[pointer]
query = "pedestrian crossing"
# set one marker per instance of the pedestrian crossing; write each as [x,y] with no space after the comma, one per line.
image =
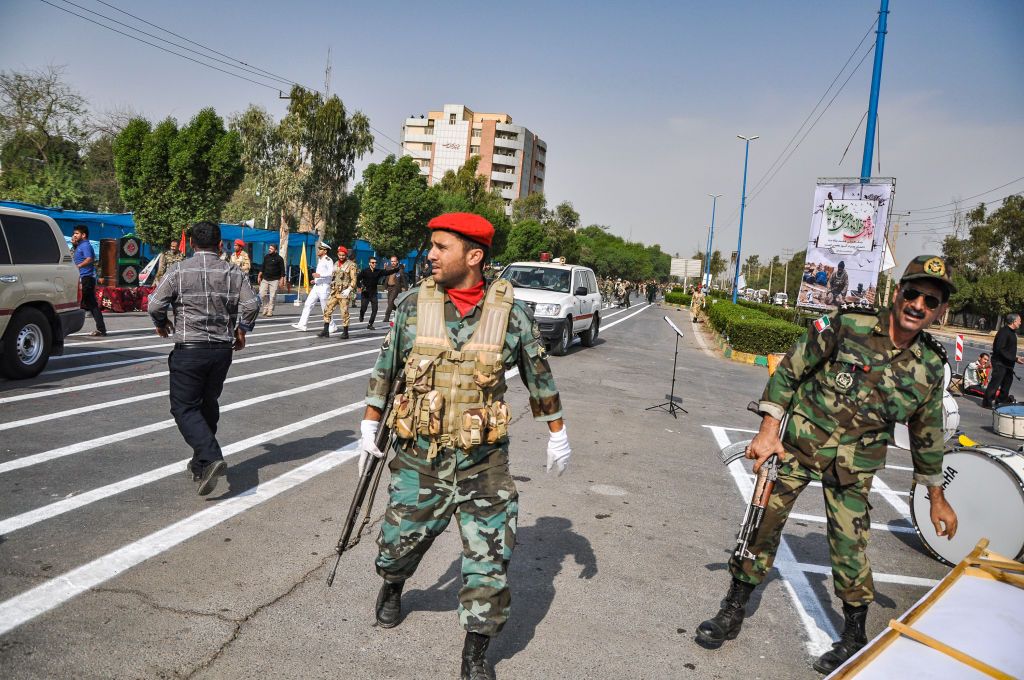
[94,440]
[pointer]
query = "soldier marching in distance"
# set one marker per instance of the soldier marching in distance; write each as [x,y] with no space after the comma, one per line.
[343,285]
[843,386]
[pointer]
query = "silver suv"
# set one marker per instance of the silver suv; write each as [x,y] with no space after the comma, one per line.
[40,292]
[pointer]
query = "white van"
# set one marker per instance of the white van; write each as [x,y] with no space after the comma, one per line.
[564,300]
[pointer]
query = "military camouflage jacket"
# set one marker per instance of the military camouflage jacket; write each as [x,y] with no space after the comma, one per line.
[847,386]
[344,277]
[522,350]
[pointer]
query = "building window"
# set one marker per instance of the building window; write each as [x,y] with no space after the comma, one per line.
[474,149]
[451,119]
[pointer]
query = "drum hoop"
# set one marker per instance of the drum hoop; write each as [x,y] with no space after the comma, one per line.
[969,449]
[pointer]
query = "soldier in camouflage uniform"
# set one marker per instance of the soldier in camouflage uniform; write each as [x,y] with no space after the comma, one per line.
[844,386]
[454,342]
[343,284]
[170,256]
[838,285]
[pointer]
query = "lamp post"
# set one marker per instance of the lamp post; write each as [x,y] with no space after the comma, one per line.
[743,205]
[711,240]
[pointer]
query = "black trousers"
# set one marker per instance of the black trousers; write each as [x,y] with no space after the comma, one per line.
[89,302]
[197,379]
[368,299]
[1002,380]
[393,294]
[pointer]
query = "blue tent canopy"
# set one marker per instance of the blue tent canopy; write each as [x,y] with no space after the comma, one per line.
[119,225]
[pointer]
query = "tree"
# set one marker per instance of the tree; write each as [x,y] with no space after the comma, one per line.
[532,207]
[171,178]
[396,205]
[40,108]
[466,191]
[526,241]
[306,160]
[565,216]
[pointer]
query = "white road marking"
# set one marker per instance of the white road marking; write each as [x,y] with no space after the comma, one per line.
[79,447]
[146,376]
[55,592]
[64,413]
[159,357]
[164,344]
[898,467]
[875,488]
[891,528]
[816,622]
[893,497]
[625,318]
[68,504]
[882,578]
[151,334]
[700,339]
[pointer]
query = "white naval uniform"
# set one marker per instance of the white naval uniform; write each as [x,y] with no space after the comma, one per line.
[320,290]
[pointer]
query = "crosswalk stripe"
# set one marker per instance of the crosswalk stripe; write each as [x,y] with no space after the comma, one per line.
[67,504]
[44,597]
[80,447]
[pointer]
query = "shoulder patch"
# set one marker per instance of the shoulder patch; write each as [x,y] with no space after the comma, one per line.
[857,308]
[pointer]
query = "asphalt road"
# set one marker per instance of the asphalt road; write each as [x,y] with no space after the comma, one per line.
[112,566]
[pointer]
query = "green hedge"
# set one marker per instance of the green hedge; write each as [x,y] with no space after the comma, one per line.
[752,330]
[791,314]
[678,299]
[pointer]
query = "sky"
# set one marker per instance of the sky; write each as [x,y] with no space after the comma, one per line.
[639,103]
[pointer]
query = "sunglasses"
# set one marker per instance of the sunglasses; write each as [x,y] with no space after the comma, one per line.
[930,301]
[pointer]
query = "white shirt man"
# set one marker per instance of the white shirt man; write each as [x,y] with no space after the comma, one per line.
[321,284]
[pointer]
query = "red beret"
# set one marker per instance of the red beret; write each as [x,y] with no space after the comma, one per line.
[239,242]
[473,227]
[343,249]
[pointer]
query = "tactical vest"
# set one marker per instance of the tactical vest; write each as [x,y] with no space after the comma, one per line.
[454,398]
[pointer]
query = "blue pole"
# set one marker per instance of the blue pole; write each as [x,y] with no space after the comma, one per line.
[876,83]
[743,205]
[711,240]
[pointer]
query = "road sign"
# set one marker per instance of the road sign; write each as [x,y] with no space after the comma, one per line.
[959,349]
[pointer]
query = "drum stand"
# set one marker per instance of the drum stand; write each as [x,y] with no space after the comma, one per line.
[670,405]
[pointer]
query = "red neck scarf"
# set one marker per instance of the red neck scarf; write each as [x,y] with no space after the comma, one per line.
[465,298]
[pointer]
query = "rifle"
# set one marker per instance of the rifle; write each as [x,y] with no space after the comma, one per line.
[366,487]
[763,486]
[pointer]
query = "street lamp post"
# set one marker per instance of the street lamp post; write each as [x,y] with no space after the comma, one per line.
[711,240]
[743,205]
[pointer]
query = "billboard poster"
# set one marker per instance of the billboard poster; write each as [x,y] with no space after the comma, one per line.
[846,243]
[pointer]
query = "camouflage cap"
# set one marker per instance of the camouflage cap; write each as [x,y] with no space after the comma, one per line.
[929,267]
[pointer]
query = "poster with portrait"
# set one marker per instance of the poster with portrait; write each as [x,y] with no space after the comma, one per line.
[846,243]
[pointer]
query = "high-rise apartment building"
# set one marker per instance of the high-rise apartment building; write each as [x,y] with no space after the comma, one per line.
[512,158]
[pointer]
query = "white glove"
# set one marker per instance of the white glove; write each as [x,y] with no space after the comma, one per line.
[345,293]
[559,451]
[368,443]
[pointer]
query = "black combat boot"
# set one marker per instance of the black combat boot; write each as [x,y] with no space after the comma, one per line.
[389,604]
[727,622]
[326,332]
[850,642]
[344,332]
[475,665]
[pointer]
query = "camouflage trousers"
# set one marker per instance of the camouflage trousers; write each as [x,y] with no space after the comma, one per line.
[848,530]
[486,505]
[337,301]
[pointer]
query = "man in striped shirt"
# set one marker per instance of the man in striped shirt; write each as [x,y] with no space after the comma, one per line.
[214,307]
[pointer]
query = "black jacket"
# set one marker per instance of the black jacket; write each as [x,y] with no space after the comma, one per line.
[273,266]
[369,279]
[1004,347]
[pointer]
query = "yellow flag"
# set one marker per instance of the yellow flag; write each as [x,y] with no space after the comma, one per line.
[303,273]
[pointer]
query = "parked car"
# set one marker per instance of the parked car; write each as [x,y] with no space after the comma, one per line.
[564,300]
[40,293]
[780,299]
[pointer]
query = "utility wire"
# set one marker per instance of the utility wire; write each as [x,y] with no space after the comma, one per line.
[943,205]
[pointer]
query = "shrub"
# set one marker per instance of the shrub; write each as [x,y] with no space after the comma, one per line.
[790,314]
[752,330]
[678,298]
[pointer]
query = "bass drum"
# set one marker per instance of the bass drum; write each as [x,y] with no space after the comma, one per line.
[985,487]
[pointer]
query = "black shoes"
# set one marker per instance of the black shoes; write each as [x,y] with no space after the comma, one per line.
[389,604]
[326,332]
[344,332]
[475,665]
[727,622]
[850,642]
[207,477]
[370,327]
